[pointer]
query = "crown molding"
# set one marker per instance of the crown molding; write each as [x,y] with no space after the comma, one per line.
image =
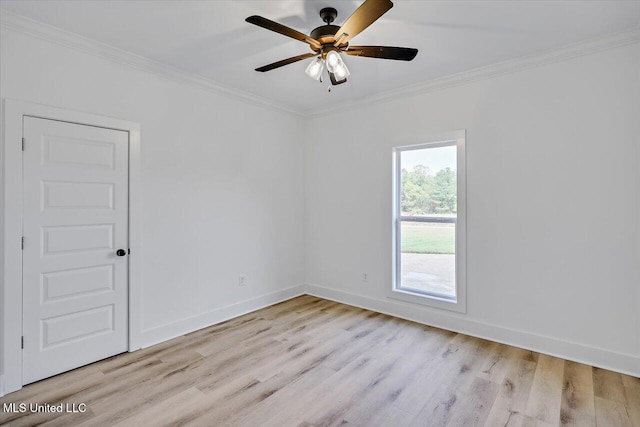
[24,25]
[573,50]
[72,40]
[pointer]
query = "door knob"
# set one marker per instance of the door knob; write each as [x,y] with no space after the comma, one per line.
[121,252]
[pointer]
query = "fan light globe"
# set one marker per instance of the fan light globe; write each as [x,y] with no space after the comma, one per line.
[333,61]
[342,72]
[314,69]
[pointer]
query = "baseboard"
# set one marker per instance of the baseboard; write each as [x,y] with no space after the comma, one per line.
[162,333]
[598,357]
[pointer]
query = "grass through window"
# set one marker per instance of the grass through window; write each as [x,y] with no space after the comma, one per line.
[428,238]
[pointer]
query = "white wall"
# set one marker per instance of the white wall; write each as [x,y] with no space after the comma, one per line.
[553,184]
[221,179]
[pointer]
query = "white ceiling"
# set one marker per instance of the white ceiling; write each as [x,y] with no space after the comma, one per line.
[211,38]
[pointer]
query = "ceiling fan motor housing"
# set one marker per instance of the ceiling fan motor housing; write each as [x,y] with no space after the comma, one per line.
[325,33]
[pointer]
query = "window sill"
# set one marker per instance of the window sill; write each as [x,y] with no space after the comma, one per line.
[428,300]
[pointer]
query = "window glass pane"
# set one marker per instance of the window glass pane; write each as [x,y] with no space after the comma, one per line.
[428,257]
[428,209]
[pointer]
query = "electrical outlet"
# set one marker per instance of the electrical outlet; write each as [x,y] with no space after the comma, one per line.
[242,280]
[365,277]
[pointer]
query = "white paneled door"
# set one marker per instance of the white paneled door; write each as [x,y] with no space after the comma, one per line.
[75,223]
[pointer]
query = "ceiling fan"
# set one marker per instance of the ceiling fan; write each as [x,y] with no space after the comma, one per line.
[328,41]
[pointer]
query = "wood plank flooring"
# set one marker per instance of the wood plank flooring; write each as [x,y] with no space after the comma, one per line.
[313,362]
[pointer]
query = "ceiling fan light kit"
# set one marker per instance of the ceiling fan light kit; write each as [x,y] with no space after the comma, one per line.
[333,61]
[314,69]
[329,41]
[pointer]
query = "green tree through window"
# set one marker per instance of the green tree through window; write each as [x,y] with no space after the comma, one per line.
[426,194]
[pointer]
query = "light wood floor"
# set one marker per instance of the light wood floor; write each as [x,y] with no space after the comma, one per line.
[312,362]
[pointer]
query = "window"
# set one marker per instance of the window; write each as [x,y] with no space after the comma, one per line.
[429,223]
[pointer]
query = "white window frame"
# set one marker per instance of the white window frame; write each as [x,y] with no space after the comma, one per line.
[459,304]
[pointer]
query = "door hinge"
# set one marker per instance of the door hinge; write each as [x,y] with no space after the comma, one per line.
[22,243]
[22,144]
[22,342]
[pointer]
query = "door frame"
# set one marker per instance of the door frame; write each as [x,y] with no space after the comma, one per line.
[11,228]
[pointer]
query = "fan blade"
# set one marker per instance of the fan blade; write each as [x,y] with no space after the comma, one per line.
[283,29]
[286,62]
[383,52]
[365,15]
